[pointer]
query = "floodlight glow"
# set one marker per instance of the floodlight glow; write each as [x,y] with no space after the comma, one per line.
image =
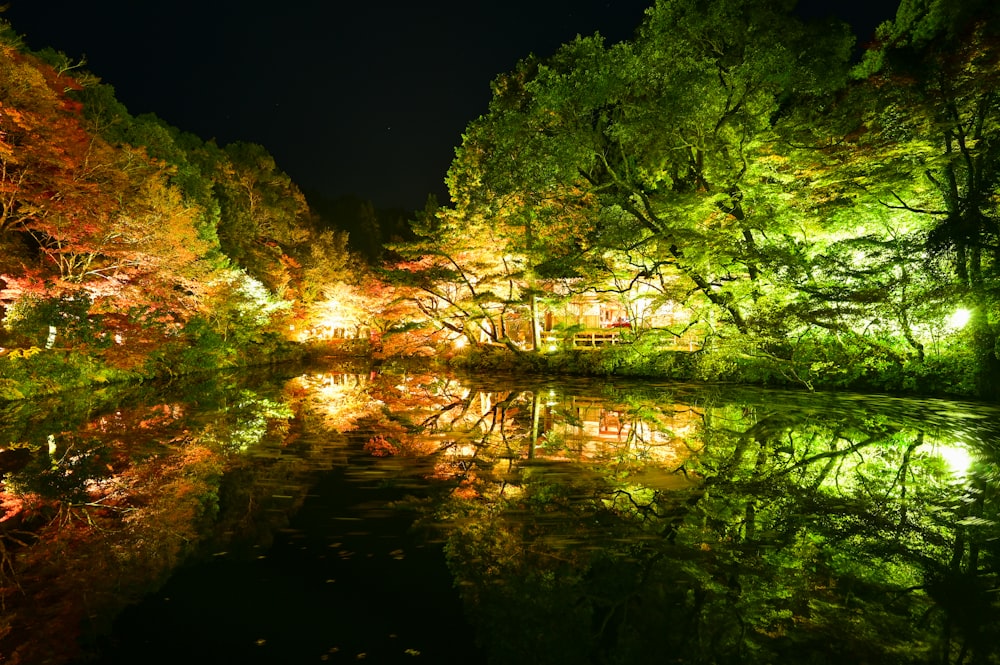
[958,320]
[957,458]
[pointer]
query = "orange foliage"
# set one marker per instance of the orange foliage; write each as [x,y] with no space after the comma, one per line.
[104,219]
[58,181]
[379,446]
[466,490]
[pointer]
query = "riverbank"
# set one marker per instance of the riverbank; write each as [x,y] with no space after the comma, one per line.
[35,372]
[939,377]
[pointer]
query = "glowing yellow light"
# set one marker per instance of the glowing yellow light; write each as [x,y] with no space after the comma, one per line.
[460,342]
[958,320]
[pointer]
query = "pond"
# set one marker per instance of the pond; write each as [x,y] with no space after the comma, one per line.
[333,514]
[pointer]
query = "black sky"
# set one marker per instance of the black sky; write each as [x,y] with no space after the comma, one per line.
[364,98]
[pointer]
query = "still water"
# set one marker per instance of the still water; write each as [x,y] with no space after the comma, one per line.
[329,514]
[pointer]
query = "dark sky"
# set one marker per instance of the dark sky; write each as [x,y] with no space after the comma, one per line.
[367,98]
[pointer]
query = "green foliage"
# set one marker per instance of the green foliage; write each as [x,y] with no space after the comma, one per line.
[30,318]
[789,528]
[9,36]
[36,372]
[250,419]
[206,350]
[818,231]
[206,344]
[667,136]
[564,333]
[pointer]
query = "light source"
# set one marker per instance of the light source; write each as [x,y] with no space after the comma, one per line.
[959,318]
[957,458]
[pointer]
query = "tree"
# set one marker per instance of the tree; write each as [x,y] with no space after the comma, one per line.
[263,213]
[58,185]
[929,141]
[668,129]
[464,277]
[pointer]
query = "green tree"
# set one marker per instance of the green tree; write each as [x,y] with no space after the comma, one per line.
[934,79]
[669,130]
[263,213]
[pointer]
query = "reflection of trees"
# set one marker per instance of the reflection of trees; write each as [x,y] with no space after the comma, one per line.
[635,524]
[332,400]
[837,528]
[115,491]
[716,530]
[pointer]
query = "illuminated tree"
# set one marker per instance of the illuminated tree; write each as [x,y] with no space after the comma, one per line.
[806,217]
[666,129]
[58,185]
[263,213]
[932,102]
[465,278]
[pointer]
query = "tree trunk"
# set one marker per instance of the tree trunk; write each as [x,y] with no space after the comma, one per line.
[536,342]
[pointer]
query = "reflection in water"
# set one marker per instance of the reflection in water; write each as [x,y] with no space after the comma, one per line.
[581,521]
[729,527]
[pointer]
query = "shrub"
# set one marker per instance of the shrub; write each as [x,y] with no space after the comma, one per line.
[29,320]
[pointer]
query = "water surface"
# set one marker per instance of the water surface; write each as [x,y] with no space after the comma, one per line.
[324,514]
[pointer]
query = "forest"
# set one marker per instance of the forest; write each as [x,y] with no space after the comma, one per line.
[734,194]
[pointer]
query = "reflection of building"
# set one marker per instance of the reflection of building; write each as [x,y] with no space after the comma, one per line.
[649,444]
[587,429]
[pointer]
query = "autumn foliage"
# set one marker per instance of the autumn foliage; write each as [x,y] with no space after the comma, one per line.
[131,242]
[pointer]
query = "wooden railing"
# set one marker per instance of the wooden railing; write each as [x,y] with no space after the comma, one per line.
[587,339]
[592,339]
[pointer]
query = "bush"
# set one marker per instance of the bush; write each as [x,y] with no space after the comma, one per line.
[29,319]
[33,372]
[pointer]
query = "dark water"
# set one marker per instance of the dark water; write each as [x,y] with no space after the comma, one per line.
[326,515]
[347,580]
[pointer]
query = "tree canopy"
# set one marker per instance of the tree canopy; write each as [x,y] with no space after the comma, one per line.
[812,215]
[138,236]
[730,180]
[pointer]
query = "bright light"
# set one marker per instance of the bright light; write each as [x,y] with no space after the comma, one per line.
[957,458]
[958,320]
[460,342]
[552,399]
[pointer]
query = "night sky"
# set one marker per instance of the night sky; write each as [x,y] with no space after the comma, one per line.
[364,98]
